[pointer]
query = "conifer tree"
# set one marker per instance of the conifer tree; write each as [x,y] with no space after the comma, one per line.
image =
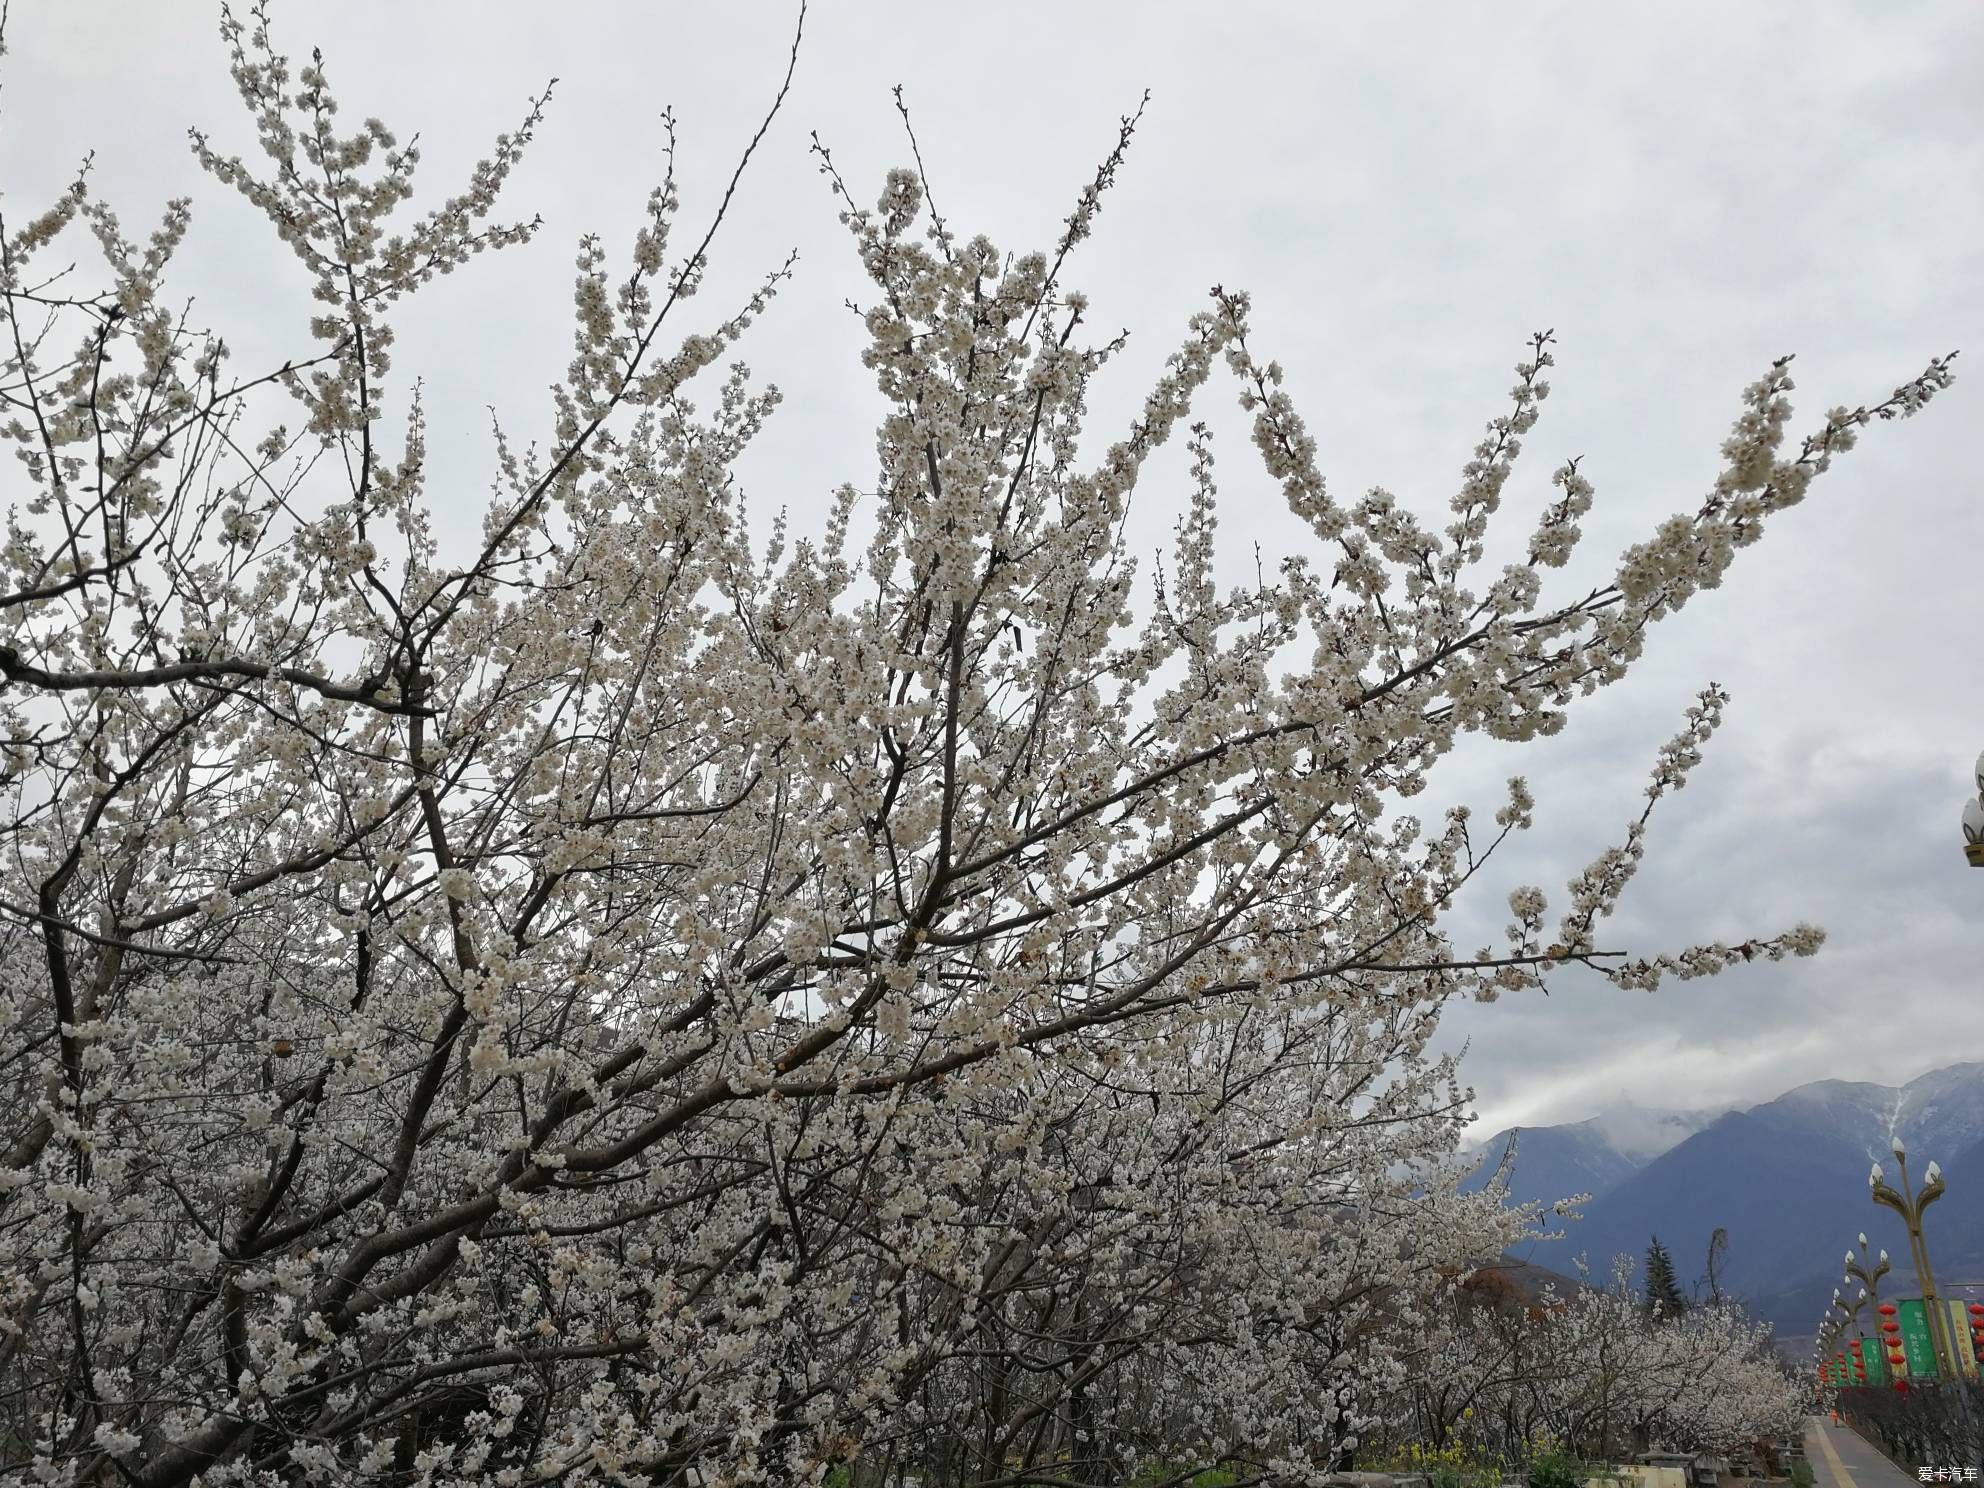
[1663,1293]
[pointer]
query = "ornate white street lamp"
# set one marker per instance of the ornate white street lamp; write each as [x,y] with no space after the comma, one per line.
[1868,1274]
[1910,1206]
[1973,821]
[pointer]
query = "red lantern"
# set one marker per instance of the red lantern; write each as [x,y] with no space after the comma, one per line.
[1887,1309]
[1901,1387]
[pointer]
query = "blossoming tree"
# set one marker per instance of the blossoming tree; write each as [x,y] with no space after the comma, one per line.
[1597,1373]
[627,997]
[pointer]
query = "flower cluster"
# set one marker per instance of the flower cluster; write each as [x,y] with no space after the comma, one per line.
[1512,1378]
[639,996]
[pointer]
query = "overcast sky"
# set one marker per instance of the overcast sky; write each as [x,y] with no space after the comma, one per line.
[1682,191]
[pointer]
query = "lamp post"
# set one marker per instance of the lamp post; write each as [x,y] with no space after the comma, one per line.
[1973,821]
[1854,1310]
[1909,1205]
[1839,1312]
[1868,1275]
[1849,1311]
[1846,1316]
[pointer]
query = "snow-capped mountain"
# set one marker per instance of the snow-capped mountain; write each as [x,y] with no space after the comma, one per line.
[1787,1180]
[1943,1109]
[1591,1156]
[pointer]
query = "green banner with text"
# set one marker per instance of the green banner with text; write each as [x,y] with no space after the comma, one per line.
[1915,1339]
[1869,1356]
[1877,1364]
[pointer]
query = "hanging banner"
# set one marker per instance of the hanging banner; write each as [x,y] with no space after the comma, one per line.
[1876,1361]
[1916,1341]
[1959,1331]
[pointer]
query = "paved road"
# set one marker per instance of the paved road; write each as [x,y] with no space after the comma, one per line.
[1841,1459]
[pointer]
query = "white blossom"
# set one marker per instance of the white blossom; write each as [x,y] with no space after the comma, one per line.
[641,990]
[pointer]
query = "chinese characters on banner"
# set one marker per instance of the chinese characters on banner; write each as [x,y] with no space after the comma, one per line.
[1959,1331]
[1915,1340]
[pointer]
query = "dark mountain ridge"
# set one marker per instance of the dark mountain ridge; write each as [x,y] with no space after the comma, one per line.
[1787,1181]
